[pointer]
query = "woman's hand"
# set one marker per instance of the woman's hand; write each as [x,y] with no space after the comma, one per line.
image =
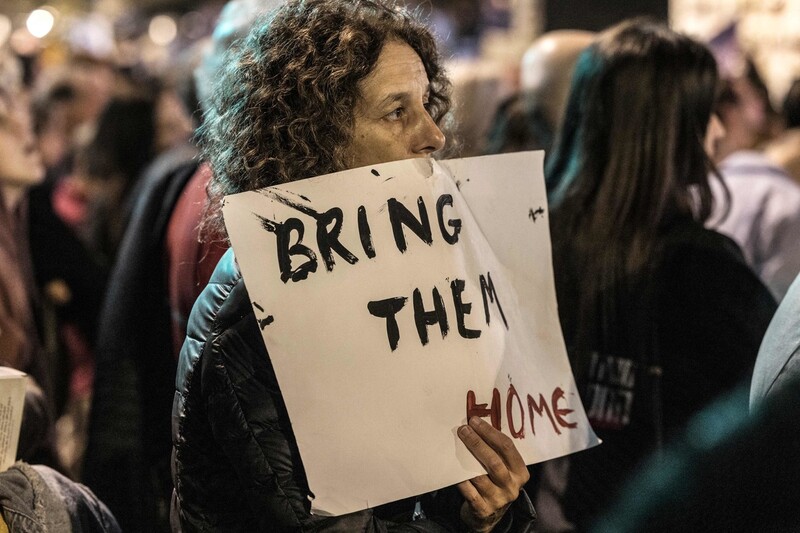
[489,496]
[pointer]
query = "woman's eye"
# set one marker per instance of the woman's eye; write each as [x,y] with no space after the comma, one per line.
[396,113]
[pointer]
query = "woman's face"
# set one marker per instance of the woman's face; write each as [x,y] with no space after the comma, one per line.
[20,163]
[391,118]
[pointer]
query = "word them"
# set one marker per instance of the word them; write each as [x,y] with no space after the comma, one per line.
[389,307]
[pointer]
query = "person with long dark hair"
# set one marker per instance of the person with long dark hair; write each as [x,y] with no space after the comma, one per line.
[660,315]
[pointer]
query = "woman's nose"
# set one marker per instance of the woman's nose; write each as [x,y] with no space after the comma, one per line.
[430,138]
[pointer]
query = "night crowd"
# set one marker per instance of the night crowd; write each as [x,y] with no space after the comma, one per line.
[673,183]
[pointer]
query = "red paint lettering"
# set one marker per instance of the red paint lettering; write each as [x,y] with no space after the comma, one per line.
[512,394]
[539,408]
[481,409]
[558,394]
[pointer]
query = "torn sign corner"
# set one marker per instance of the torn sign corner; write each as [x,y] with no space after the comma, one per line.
[426,166]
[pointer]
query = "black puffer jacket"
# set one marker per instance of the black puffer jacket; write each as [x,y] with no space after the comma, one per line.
[236,465]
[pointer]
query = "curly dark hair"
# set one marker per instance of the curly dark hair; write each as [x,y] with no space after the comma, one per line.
[283,108]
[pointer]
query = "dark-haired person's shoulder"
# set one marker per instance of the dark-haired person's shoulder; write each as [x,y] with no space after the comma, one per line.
[691,239]
[712,264]
[712,300]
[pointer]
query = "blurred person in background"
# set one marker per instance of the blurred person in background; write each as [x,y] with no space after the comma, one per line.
[530,119]
[129,423]
[784,150]
[659,314]
[745,109]
[77,227]
[32,497]
[479,87]
[778,363]
[70,275]
[55,120]
[105,172]
[70,278]
[96,81]
[763,202]
[20,341]
[110,165]
[163,264]
[727,472]
[138,129]
[67,102]
[136,133]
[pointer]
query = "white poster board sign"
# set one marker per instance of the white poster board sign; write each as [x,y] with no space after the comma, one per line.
[395,300]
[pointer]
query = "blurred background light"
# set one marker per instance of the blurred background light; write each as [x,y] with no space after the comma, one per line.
[162,30]
[41,21]
[92,34]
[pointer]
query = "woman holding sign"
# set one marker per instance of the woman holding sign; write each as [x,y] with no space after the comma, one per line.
[659,314]
[319,86]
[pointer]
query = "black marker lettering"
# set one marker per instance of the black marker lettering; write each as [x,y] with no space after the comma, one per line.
[399,215]
[423,318]
[451,238]
[489,294]
[387,309]
[365,233]
[283,233]
[457,287]
[328,239]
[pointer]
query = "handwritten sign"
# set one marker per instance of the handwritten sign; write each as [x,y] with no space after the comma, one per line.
[399,299]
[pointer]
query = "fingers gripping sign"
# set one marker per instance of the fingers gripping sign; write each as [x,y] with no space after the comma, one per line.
[489,496]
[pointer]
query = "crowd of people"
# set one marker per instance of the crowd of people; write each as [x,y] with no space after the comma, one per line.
[151,400]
